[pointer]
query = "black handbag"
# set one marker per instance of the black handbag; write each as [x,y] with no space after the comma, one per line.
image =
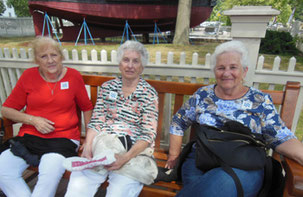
[233,144]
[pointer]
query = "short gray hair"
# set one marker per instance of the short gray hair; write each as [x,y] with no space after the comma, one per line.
[134,46]
[231,46]
[41,41]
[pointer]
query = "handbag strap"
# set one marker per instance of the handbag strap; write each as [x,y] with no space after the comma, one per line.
[201,136]
[267,178]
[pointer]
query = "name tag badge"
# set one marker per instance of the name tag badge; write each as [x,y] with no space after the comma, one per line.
[113,95]
[247,105]
[64,85]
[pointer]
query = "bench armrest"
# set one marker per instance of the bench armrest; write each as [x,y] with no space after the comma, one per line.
[294,177]
[8,128]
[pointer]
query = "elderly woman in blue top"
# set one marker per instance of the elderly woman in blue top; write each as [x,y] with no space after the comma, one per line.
[126,106]
[213,105]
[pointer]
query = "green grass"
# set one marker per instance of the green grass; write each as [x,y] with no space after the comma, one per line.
[299,129]
[202,48]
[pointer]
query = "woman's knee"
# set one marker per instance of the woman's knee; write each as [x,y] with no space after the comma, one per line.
[51,165]
[84,183]
[11,165]
[190,173]
[217,180]
[120,186]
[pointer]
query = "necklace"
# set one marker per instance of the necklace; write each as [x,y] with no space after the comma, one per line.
[52,89]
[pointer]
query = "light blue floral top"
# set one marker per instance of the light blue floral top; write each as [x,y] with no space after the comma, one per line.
[255,110]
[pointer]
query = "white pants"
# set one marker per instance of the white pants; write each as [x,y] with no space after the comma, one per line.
[86,183]
[12,183]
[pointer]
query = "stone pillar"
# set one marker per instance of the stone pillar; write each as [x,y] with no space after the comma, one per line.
[249,24]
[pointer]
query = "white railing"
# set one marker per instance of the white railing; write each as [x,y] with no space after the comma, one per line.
[13,62]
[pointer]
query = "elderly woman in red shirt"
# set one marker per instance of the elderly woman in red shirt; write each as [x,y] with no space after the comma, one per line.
[44,100]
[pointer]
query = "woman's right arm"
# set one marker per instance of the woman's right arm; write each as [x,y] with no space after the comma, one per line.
[88,144]
[175,142]
[181,121]
[94,125]
[16,115]
[41,124]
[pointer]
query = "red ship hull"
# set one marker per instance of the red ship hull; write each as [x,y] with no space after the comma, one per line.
[108,19]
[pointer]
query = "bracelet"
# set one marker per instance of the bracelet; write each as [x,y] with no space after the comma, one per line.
[30,118]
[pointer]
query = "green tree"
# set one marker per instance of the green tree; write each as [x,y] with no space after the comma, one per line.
[279,43]
[282,5]
[20,6]
[2,7]
[297,7]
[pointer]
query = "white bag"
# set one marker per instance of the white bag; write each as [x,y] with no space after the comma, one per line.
[142,168]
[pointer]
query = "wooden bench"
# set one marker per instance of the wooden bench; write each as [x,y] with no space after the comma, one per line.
[287,99]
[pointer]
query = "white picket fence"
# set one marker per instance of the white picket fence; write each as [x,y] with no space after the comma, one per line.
[14,62]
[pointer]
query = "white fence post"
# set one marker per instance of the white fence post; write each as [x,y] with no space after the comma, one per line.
[249,25]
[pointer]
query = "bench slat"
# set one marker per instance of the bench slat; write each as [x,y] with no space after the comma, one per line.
[160,118]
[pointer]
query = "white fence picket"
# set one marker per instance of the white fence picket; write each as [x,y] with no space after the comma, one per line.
[158,58]
[170,57]
[195,59]
[94,55]
[277,62]
[75,56]
[292,64]
[23,54]
[84,55]
[114,57]
[65,54]
[1,53]
[182,58]
[103,56]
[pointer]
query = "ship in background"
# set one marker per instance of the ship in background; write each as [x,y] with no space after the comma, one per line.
[107,18]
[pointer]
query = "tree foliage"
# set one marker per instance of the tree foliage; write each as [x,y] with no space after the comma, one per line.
[2,7]
[298,6]
[283,6]
[20,6]
[276,42]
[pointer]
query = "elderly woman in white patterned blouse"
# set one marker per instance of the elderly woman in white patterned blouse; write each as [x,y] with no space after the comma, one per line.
[124,122]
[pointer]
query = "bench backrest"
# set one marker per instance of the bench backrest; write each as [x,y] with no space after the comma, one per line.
[286,99]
